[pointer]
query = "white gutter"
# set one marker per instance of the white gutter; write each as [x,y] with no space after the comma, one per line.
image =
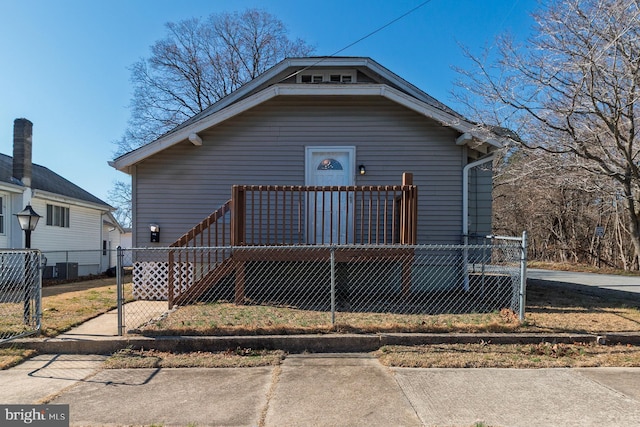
[465,213]
[465,194]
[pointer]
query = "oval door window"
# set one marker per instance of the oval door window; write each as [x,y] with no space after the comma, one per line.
[330,164]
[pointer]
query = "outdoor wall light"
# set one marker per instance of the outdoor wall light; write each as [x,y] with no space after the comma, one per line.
[28,220]
[155,233]
[362,169]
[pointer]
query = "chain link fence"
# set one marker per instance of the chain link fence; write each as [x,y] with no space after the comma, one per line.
[74,264]
[330,281]
[20,293]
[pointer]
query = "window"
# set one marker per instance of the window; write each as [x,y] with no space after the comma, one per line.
[330,164]
[57,216]
[1,215]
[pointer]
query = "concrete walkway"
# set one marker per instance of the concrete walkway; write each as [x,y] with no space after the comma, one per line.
[325,390]
[105,326]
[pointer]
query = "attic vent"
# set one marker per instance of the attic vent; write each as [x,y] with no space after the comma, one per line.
[331,76]
[311,78]
[340,78]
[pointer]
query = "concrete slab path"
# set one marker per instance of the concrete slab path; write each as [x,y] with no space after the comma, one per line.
[522,397]
[338,390]
[45,375]
[326,390]
[105,326]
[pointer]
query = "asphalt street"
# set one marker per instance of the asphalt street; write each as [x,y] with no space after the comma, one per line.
[604,281]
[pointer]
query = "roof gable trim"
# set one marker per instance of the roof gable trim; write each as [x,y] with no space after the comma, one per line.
[125,162]
[58,198]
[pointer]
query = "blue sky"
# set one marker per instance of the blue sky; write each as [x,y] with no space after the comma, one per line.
[65,63]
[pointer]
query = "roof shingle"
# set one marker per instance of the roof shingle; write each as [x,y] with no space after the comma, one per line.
[46,180]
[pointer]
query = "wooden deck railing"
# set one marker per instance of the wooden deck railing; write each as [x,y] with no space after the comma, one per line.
[214,230]
[272,215]
[319,215]
[310,215]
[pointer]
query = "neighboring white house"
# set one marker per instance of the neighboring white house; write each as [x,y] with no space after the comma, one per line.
[76,230]
[126,240]
[113,236]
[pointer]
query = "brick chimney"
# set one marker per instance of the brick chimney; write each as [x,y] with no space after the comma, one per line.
[22,142]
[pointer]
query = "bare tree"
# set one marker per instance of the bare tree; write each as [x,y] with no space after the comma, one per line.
[561,211]
[120,198]
[199,62]
[573,90]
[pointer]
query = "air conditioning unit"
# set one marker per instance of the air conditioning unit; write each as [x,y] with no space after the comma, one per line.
[49,272]
[67,270]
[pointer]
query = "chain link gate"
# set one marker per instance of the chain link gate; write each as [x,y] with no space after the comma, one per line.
[20,293]
[334,280]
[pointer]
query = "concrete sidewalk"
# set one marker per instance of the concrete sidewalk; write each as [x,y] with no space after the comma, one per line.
[326,390]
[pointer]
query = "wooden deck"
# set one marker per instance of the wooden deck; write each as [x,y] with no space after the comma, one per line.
[332,218]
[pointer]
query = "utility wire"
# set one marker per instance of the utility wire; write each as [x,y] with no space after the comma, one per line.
[424,3]
[383,27]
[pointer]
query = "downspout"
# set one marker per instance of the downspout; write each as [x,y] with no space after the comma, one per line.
[465,213]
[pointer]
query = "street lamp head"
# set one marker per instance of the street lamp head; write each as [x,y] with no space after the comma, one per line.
[28,218]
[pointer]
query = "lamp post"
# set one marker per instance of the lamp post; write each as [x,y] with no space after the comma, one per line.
[28,220]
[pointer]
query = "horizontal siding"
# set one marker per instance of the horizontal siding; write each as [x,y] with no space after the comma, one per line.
[178,187]
[80,242]
[83,232]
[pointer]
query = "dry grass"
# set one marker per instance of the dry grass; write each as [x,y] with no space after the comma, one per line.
[550,309]
[63,311]
[63,307]
[230,319]
[484,355]
[238,358]
[10,357]
[554,308]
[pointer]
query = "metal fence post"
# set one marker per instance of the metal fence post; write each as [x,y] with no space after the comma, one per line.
[523,275]
[38,291]
[120,290]
[333,285]
[28,289]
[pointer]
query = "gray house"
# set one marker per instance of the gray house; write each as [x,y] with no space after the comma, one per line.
[275,145]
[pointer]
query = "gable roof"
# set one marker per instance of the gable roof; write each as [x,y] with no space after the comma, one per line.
[43,179]
[274,82]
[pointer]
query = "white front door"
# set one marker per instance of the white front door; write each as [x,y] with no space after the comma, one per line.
[330,214]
